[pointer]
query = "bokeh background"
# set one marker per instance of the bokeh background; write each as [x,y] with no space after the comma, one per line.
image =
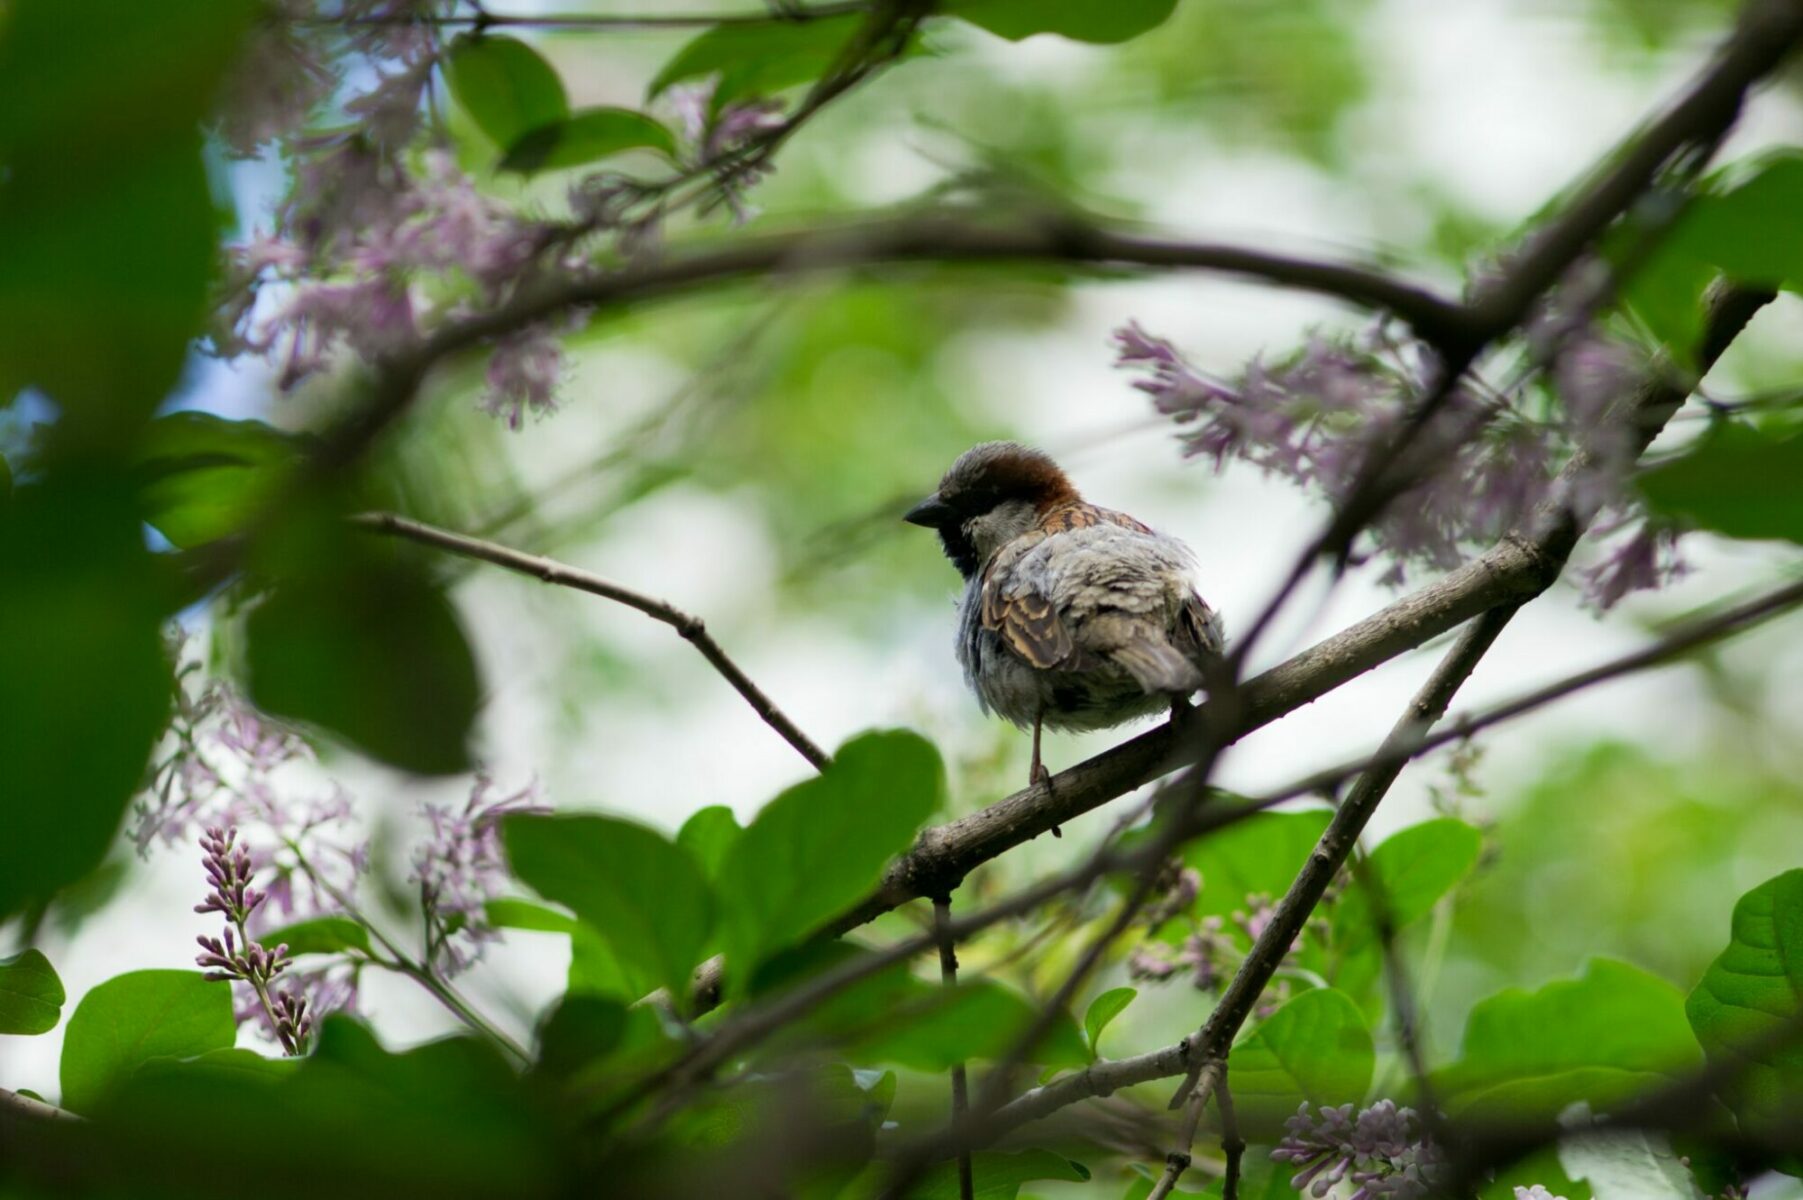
[746,453]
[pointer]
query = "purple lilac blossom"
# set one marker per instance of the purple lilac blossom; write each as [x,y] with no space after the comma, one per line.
[1383,1152]
[716,137]
[1537,1192]
[1313,417]
[235,957]
[460,867]
[522,377]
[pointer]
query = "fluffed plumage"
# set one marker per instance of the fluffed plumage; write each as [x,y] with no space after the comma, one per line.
[1073,616]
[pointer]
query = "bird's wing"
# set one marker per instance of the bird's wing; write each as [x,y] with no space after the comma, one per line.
[1199,634]
[1024,617]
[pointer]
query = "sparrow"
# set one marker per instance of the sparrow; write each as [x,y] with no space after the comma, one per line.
[1073,616]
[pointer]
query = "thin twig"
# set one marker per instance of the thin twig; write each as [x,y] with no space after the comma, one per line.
[692,628]
[948,975]
[1233,1146]
[1177,1160]
[28,1108]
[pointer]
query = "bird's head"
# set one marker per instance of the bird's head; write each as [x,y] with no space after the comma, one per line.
[994,493]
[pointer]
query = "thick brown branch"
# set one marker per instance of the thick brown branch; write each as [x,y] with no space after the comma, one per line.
[691,627]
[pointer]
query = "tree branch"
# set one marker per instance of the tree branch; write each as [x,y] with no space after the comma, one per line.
[1177,1161]
[1405,742]
[1517,569]
[692,628]
[948,975]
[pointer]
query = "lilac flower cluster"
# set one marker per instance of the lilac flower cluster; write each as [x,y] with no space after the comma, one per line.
[228,765]
[1211,951]
[235,957]
[1482,463]
[460,867]
[719,140]
[1382,1152]
[1537,1192]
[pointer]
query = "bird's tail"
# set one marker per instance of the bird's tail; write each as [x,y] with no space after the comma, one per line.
[1157,665]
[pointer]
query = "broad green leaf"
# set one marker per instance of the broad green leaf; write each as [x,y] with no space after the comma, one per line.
[1413,868]
[1628,1164]
[448,1118]
[595,969]
[31,996]
[204,477]
[1600,1038]
[1103,1010]
[1750,231]
[130,1019]
[759,59]
[106,216]
[1079,20]
[1260,855]
[84,684]
[505,86]
[507,912]
[371,649]
[587,136]
[320,935]
[643,895]
[1316,1048]
[998,1176]
[1752,990]
[1541,1167]
[580,1030]
[708,834]
[821,846]
[229,1063]
[931,1028]
[1737,481]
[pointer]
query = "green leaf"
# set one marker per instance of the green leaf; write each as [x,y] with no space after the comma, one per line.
[645,897]
[1413,868]
[1316,1048]
[370,648]
[580,1030]
[510,913]
[1079,20]
[83,679]
[31,996]
[1752,990]
[1751,231]
[1628,1164]
[505,87]
[587,136]
[1103,1010]
[205,477]
[708,834]
[1738,481]
[320,935]
[1600,1038]
[821,846]
[759,59]
[106,215]
[132,1018]
[1260,855]
[230,1063]
[997,1176]
[931,1028]
[448,1118]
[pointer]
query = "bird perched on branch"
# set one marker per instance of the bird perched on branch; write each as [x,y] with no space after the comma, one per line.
[1073,616]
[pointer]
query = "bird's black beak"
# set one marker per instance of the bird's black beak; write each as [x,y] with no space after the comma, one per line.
[931,512]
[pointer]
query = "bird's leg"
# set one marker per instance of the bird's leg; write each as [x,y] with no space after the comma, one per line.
[1037,773]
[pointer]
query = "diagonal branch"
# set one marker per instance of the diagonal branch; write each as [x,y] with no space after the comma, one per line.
[691,627]
[1517,569]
